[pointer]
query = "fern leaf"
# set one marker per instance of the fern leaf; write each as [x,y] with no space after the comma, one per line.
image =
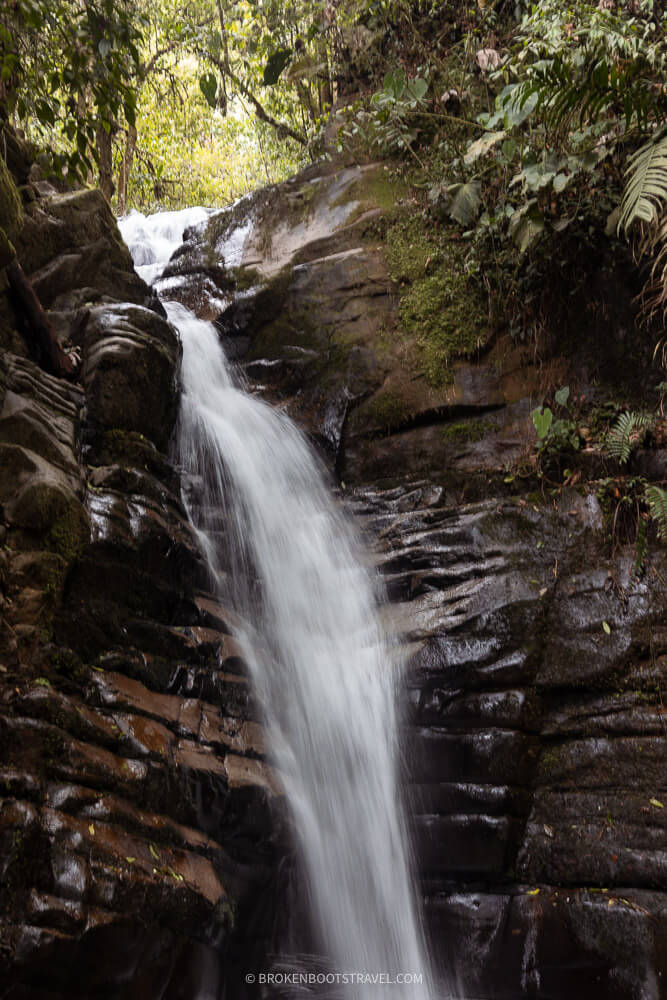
[626,434]
[654,244]
[646,188]
[657,501]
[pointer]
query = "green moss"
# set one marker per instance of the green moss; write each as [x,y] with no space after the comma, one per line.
[11,209]
[440,306]
[52,574]
[468,430]
[550,761]
[373,189]
[53,513]
[69,534]
[124,447]
[244,278]
[411,252]
[66,663]
[385,411]
[443,314]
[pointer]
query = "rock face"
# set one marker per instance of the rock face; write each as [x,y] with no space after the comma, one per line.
[537,743]
[143,838]
[536,725]
[139,822]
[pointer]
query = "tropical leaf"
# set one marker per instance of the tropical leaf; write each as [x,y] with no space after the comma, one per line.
[482,146]
[526,225]
[646,188]
[466,201]
[394,83]
[417,88]
[209,88]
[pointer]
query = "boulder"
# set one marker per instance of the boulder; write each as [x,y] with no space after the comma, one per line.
[130,362]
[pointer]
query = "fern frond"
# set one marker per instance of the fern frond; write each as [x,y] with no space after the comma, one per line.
[654,293]
[566,89]
[656,499]
[645,191]
[626,434]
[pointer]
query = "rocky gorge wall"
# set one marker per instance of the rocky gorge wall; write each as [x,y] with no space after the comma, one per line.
[536,731]
[143,834]
[135,818]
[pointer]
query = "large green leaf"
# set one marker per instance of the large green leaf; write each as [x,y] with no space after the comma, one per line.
[526,225]
[542,420]
[394,83]
[275,66]
[417,88]
[482,146]
[208,85]
[466,201]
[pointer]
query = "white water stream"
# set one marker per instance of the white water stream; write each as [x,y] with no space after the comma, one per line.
[322,666]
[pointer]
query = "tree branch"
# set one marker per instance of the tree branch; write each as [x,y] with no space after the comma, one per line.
[223,65]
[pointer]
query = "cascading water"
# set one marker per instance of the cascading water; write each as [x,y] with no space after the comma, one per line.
[323,668]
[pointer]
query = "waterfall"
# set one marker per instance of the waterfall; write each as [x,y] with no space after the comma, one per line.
[323,668]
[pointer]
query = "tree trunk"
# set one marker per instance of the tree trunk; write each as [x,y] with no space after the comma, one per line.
[126,168]
[105,162]
[39,332]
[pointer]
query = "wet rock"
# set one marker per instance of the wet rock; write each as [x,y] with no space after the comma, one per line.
[70,241]
[537,742]
[133,777]
[129,371]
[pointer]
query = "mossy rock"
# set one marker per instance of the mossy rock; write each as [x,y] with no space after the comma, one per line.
[387,410]
[375,188]
[11,215]
[47,509]
[440,307]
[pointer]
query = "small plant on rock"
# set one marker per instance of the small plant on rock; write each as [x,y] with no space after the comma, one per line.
[557,432]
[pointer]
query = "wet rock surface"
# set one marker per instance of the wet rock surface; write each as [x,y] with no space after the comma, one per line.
[138,816]
[537,733]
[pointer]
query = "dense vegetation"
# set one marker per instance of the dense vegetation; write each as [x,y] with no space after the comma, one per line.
[532,137]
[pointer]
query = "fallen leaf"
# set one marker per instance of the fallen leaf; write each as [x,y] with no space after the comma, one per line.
[657,803]
[91,829]
[606,627]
